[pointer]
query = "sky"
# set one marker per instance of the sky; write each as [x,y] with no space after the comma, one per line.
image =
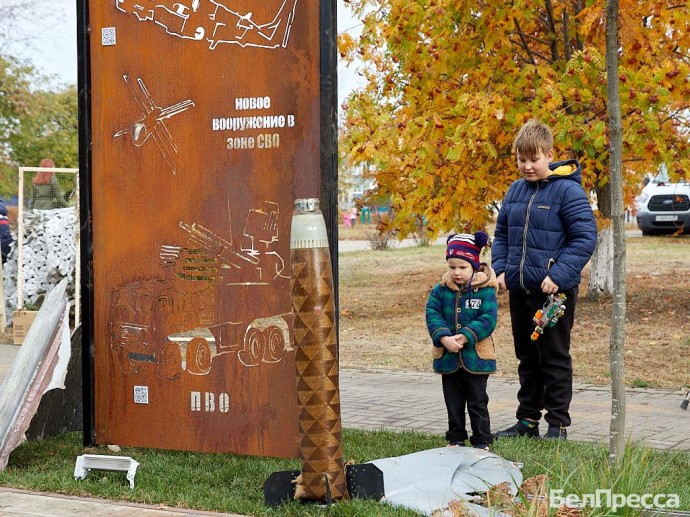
[54,48]
[348,79]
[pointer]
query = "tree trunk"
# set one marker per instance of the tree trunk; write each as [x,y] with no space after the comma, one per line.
[604,199]
[601,266]
[617,343]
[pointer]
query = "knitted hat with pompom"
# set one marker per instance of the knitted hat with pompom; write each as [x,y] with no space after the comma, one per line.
[466,246]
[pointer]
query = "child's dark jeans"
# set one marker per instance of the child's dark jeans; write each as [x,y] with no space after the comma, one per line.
[466,390]
[545,366]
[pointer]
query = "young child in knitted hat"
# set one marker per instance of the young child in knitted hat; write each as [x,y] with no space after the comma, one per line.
[461,315]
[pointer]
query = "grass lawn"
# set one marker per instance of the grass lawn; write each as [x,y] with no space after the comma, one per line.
[228,483]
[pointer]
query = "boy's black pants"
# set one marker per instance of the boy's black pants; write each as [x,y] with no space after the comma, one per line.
[467,390]
[545,367]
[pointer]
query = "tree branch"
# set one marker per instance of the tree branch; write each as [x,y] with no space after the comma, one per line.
[542,56]
[538,40]
[680,55]
[577,4]
[532,55]
[674,114]
[597,114]
[524,42]
[566,39]
[552,32]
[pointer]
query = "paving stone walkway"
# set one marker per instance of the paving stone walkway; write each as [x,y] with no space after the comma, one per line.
[388,399]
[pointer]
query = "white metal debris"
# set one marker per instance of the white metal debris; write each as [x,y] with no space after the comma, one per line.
[428,481]
[86,462]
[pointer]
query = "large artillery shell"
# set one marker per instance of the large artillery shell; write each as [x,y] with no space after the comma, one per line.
[313,306]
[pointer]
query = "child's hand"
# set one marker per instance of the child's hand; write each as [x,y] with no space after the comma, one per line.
[453,343]
[447,281]
[548,286]
[501,279]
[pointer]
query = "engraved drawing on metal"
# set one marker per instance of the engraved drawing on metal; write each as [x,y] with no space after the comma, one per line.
[240,28]
[258,238]
[151,124]
[174,322]
[215,21]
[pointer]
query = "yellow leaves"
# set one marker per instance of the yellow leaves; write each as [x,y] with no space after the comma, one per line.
[602,222]
[346,45]
[454,153]
[632,15]
[631,31]
[593,21]
[588,58]
[446,94]
[649,30]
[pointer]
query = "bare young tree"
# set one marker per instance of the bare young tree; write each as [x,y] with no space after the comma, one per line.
[617,343]
[14,15]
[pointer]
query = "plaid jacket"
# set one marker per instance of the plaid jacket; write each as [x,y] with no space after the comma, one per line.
[471,311]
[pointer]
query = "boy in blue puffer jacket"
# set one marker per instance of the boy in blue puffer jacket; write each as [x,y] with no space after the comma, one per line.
[461,316]
[545,235]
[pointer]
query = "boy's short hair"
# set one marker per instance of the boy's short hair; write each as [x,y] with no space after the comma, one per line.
[534,136]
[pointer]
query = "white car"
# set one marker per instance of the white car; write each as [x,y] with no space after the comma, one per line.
[663,207]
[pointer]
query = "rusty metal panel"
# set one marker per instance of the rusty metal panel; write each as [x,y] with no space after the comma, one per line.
[202,113]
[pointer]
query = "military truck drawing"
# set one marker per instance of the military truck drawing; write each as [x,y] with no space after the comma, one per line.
[202,308]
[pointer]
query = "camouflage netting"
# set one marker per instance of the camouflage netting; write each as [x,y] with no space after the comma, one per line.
[49,255]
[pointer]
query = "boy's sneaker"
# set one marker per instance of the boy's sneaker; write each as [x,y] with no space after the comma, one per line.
[456,444]
[483,447]
[522,428]
[556,432]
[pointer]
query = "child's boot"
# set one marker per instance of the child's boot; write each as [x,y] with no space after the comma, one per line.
[524,427]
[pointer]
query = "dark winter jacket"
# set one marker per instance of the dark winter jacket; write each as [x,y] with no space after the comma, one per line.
[5,233]
[471,311]
[545,225]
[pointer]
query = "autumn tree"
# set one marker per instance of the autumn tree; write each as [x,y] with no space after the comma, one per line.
[34,123]
[49,128]
[21,97]
[448,85]
[14,100]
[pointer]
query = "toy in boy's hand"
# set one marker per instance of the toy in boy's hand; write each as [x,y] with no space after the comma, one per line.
[549,314]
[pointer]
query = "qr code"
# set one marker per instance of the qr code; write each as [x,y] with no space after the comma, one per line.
[141,394]
[108,36]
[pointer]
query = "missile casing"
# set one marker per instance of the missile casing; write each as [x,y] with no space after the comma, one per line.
[323,474]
